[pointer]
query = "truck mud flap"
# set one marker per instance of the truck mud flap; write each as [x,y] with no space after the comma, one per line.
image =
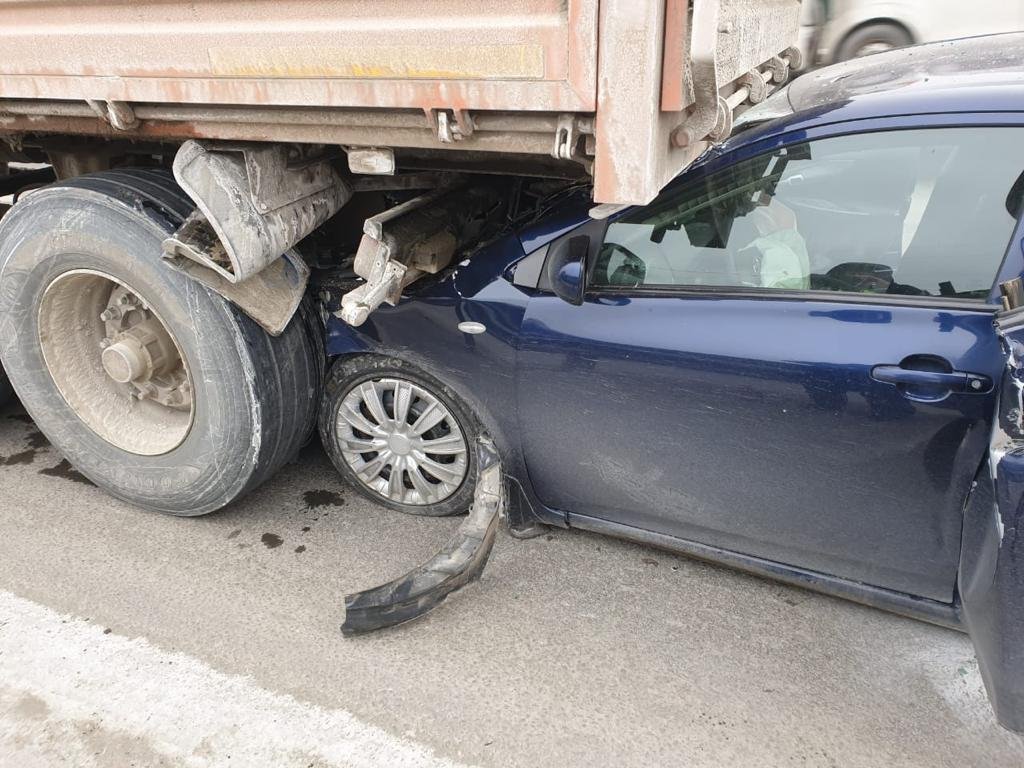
[456,564]
[254,203]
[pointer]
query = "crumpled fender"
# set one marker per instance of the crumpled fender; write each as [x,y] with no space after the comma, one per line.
[991,577]
[456,564]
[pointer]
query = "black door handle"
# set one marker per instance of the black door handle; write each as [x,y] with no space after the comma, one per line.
[910,379]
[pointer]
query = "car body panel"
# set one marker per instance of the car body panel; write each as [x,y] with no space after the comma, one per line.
[684,428]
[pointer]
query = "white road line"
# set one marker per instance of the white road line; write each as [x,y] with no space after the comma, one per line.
[58,670]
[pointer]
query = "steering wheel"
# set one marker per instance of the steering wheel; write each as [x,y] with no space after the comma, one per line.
[629,274]
[857,277]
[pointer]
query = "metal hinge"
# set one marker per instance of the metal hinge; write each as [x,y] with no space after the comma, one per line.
[565,138]
[119,114]
[1012,292]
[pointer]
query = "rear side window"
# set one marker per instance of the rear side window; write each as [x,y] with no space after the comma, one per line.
[916,213]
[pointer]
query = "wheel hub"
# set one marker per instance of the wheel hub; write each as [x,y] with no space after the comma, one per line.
[400,444]
[115,363]
[126,361]
[139,353]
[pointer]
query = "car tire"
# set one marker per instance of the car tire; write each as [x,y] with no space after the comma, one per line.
[344,381]
[873,38]
[251,399]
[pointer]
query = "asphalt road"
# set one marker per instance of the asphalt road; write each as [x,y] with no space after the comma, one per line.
[129,638]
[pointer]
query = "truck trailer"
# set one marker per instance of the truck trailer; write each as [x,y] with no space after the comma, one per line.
[193,187]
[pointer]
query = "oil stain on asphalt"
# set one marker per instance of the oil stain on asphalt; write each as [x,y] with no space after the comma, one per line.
[320,498]
[65,470]
[24,457]
[271,540]
[35,441]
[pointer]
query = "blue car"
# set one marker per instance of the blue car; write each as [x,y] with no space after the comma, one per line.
[803,359]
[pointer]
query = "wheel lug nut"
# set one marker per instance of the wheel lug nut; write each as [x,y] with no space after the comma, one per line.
[110,313]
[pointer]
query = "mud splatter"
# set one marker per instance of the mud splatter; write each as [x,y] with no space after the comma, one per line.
[305,529]
[233,533]
[65,470]
[301,548]
[320,498]
[271,540]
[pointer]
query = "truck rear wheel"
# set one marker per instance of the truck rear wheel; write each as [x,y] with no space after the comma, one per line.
[154,387]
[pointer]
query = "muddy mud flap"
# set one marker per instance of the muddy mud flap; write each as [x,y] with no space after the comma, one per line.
[456,564]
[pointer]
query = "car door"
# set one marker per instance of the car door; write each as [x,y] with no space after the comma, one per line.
[790,357]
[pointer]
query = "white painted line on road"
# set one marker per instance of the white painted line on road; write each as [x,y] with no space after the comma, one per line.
[65,670]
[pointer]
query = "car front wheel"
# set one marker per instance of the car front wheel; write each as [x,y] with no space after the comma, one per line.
[399,436]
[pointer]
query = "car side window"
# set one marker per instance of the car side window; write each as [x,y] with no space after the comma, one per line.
[924,212]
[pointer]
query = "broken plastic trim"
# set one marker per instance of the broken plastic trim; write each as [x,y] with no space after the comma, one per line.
[456,564]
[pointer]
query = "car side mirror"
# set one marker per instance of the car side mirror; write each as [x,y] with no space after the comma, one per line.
[567,268]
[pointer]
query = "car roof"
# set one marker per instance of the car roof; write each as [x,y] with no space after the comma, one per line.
[974,74]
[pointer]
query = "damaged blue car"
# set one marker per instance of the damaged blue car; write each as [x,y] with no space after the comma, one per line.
[803,359]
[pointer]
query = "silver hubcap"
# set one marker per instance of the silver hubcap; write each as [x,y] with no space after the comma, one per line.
[402,442]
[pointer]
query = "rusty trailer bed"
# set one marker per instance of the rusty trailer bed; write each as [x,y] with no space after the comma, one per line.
[602,85]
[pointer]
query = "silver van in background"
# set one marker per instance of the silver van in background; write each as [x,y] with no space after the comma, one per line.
[837,30]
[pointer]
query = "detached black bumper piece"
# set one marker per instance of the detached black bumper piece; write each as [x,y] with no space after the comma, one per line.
[458,562]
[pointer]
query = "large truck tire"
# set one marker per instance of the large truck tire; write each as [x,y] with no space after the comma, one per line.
[153,387]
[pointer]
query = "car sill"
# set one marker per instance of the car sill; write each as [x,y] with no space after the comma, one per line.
[932,611]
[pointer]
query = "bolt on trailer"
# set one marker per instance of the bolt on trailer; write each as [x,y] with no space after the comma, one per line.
[190,189]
